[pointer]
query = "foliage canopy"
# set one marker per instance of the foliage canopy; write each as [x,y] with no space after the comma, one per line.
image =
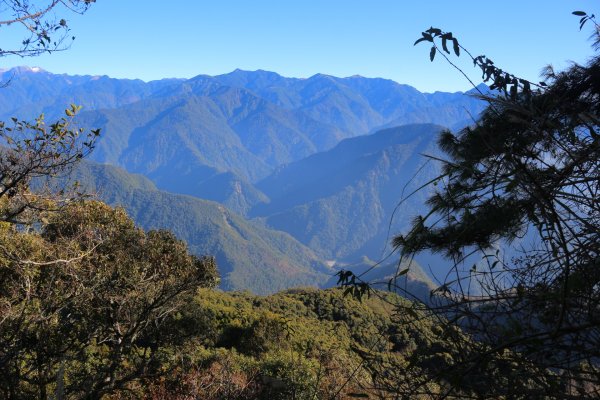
[86,302]
[525,177]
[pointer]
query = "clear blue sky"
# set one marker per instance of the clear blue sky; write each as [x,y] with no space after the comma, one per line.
[153,39]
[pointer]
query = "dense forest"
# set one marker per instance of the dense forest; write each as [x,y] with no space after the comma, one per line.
[99,301]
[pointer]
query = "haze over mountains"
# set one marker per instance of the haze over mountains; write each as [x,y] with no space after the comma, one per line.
[340,202]
[300,174]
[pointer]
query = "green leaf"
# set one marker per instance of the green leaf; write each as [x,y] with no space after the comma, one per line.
[444,46]
[579,13]
[456,47]
[403,272]
[434,31]
[432,53]
[421,40]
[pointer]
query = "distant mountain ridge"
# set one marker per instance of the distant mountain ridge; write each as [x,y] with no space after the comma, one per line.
[249,255]
[244,122]
[32,91]
[345,203]
[231,130]
[302,156]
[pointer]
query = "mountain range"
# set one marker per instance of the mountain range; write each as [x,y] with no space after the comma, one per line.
[341,202]
[284,180]
[249,255]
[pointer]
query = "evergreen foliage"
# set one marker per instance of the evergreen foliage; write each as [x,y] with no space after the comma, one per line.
[86,301]
[302,344]
[526,173]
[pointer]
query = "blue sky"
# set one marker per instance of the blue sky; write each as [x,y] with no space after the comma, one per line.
[152,39]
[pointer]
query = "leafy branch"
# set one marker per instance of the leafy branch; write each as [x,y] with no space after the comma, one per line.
[505,82]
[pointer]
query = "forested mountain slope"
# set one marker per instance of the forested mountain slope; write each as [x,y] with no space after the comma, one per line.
[249,256]
[286,151]
[345,203]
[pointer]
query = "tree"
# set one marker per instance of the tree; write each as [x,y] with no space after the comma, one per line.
[86,298]
[520,189]
[526,176]
[30,150]
[87,302]
[42,31]
[35,151]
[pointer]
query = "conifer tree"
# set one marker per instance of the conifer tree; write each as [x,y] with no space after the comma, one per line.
[521,190]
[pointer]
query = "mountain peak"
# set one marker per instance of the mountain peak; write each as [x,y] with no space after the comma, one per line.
[320,75]
[22,69]
[258,72]
[481,88]
[250,79]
